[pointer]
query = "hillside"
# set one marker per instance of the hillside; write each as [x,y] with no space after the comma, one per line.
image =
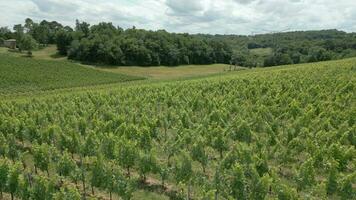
[294,47]
[19,74]
[278,133]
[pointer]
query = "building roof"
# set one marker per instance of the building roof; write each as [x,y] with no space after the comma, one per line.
[11,40]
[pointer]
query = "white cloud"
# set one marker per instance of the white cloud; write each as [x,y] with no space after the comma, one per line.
[193,16]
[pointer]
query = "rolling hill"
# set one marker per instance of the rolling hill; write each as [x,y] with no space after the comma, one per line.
[274,133]
[19,74]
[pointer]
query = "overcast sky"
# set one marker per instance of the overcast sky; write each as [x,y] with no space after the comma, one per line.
[192,16]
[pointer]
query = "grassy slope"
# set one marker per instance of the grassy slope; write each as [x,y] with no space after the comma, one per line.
[255,73]
[19,74]
[156,73]
[146,82]
[261,51]
[164,72]
[47,53]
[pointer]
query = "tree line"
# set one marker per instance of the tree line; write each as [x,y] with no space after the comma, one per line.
[105,43]
[291,47]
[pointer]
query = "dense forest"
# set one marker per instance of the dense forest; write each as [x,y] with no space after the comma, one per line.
[292,47]
[105,43]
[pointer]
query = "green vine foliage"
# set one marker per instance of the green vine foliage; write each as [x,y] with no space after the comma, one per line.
[279,133]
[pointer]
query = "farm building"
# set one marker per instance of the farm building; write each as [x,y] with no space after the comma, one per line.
[10,43]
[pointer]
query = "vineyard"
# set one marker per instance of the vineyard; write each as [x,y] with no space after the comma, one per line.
[279,133]
[19,75]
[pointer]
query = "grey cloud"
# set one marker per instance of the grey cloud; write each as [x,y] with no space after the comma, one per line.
[194,16]
[55,6]
[244,1]
[184,7]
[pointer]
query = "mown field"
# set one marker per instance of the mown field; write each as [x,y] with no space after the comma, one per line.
[278,133]
[23,75]
[168,73]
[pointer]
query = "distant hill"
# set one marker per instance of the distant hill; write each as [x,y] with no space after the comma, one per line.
[289,47]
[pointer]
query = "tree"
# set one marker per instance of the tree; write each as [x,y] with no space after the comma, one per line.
[63,41]
[19,31]
[278,58]
[269,61]
[42,33]
[296,57]
[318,54]
[284,59]
[27,43]
[5,33]
[29,25]
[239,59]
[82,27]
[104,43]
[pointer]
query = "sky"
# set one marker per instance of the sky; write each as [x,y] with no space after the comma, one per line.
[243,17]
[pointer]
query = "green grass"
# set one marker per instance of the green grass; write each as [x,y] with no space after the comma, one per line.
[261,51]
[46,53]
[166,72]
[150,72]
[142,194]
[19,74]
